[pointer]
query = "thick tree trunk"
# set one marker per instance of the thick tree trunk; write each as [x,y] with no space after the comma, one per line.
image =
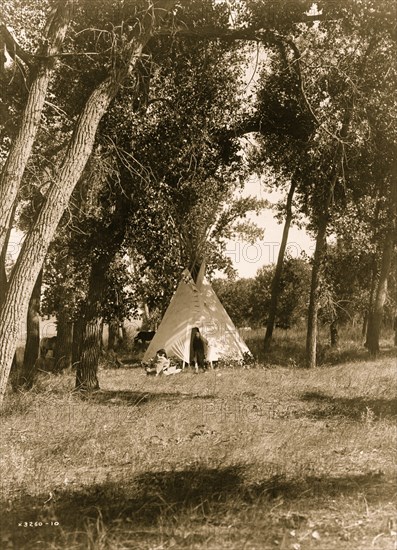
[63,348]
[78,151]
[3,258]
[92,326]
[21,147]
[87,367]
[78,327]
[37,241]
[115,337]
[32,348]
[3,291]
[371,298]
[319,254]
[3,279]
[279,268]
[334,333]
[376,314]
[365,324]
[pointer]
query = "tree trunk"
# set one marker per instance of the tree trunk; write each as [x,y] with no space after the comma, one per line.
[145,316]
[3,291]
[371,298]
[311,337]
[22,144]
[38,239]
[3,276]
[3,258]
[78,327]
[92,326]
[376,314]
[32,348]
[63,348]
[87,367]
[115,338]
[279,268]
[64,180]
[365,324]
[334,333]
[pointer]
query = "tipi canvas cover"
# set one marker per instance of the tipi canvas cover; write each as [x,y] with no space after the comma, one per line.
[196,305]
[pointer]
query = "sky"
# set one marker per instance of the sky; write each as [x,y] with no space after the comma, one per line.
[247,258]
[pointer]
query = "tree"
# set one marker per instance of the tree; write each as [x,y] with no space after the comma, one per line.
[237,297]
[142,189]
[32,348]
[293,293]
[248,300]
[326,90]
[126,51]
[14,167]
[390,239]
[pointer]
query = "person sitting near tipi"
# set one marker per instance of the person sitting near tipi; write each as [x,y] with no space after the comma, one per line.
[159,364]
[199,346]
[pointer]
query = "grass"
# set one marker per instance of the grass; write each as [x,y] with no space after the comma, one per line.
[264,458]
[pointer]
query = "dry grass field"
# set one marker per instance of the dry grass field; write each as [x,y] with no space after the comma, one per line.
[271,457]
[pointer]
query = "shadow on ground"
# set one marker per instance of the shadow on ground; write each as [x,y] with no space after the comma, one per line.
[136,398]
[147,500]
[335,356]
[354,408]
[291,353]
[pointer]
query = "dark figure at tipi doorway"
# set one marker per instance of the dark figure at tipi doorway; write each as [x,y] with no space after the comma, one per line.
[198,347]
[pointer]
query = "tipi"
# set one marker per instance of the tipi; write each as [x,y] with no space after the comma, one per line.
[196,305]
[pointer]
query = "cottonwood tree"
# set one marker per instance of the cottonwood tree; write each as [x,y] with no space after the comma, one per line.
[185,172]
[168,196]
[125,47]
[285,126]
[248,300]
[328,65]
[369,171]
[68,261]
[381,176]
[119,46]
[333,75]
[84,274]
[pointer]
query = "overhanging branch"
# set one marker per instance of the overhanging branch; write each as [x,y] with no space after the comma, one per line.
[12,47]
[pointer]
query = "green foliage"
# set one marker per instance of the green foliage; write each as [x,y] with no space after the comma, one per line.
[160,160]
[237,298]
[247,300]
[164,177]
[293,296]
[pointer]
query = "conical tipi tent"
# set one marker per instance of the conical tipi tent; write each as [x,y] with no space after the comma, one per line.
[196,305]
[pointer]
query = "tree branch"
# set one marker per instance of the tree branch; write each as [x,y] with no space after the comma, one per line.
[13,48]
